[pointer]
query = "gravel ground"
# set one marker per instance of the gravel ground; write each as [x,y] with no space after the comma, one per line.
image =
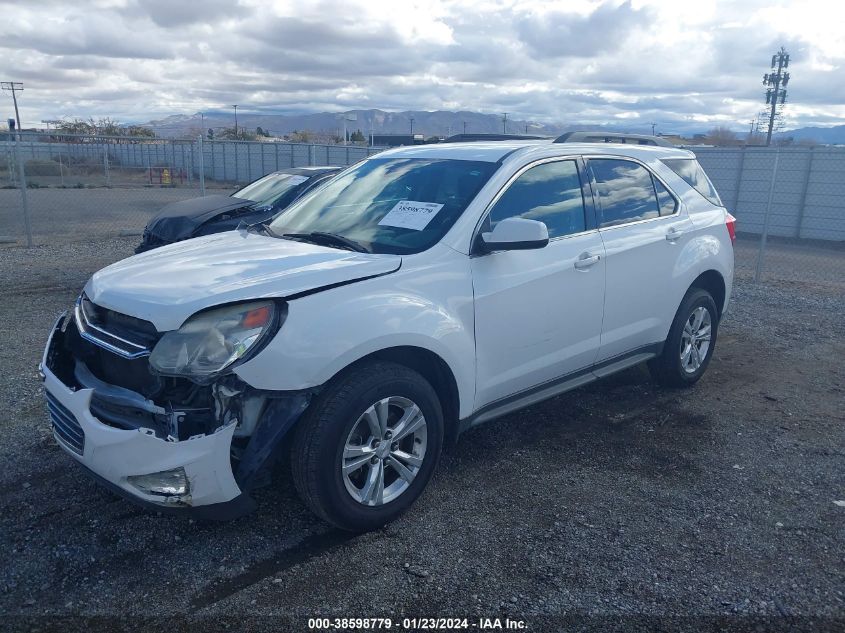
[69,215]
[614,507]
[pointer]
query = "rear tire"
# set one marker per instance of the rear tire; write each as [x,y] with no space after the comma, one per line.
[378,424]
[691,341]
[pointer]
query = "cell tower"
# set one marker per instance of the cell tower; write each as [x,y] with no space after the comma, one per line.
[775,83]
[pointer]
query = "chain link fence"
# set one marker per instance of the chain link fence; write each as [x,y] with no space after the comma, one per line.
[79,188]
[789,202]
[790,210]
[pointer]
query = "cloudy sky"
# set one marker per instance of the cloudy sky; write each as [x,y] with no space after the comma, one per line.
[683,64]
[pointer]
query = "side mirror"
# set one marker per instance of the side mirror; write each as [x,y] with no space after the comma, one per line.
[515,234]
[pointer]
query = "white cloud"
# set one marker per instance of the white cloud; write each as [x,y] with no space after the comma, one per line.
[682,64]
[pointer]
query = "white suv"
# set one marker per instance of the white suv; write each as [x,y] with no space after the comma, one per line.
[421,292]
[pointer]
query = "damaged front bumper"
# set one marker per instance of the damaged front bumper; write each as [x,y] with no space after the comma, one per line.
[118,456]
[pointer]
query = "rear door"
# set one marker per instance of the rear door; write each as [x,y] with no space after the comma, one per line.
[644,229]
[538,312]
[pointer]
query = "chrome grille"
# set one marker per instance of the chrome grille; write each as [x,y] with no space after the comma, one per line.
[92,328]
[65,425]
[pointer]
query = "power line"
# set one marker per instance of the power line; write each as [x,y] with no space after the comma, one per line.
[776,89]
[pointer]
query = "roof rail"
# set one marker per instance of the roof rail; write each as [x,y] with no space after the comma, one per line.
[611,137]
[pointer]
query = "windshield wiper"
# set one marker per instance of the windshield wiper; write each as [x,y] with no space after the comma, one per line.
[262,227]
[329,239]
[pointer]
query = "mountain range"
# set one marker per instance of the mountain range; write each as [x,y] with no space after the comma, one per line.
[435,123]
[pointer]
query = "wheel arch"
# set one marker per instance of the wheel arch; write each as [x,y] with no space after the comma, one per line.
[430,366]
[713,282]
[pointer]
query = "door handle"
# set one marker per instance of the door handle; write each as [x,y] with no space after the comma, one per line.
[673,234]
[585,260]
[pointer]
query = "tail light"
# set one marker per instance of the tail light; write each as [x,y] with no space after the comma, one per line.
[730,222]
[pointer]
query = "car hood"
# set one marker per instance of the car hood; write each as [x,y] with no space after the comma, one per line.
[167,285]
[178,220]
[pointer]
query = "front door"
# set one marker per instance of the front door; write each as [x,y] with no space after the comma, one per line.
[538,313]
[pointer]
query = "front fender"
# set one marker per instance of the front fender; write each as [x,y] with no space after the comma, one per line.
[428,308]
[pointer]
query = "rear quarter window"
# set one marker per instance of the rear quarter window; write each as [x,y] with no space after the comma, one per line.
[691,171]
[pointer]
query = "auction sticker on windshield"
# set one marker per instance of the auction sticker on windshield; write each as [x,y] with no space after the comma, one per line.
[296,180]
[408,214]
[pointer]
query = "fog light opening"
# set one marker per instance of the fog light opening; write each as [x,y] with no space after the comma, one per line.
[168,483]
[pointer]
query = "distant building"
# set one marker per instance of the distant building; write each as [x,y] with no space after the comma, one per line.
[395,140]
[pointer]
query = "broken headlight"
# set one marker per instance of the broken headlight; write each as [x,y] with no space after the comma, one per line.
[210,341]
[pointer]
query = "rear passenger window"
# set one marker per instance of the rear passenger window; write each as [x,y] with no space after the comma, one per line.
[550,193]
[690,170]
[625,190]
[665,200]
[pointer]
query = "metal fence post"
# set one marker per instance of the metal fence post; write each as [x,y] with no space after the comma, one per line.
[801,209]
[759,271]
[185,162]
[739,177]
[106,163]
[201,166]
[22,185]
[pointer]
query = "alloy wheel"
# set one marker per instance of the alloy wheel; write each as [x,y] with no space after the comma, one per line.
[384,451]
[695,339]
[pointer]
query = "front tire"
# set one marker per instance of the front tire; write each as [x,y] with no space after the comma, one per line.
[368,445]
[691,341]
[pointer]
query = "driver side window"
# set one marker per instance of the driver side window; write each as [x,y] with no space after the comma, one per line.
[550,193]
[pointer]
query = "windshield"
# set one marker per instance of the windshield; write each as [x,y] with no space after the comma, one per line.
[399,205]
[277,190]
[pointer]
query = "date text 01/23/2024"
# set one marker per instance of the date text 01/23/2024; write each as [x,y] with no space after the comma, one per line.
[416,624]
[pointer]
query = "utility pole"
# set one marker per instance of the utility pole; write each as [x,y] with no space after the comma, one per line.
[652,128]
[236,121]
[16,86]
[412,126]
[13,87]
[505,123]
[776,88]
[347,116]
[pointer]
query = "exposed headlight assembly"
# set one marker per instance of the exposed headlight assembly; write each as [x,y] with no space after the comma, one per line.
[211,341]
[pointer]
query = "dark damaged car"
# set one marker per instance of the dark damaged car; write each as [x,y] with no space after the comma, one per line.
[257,202]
